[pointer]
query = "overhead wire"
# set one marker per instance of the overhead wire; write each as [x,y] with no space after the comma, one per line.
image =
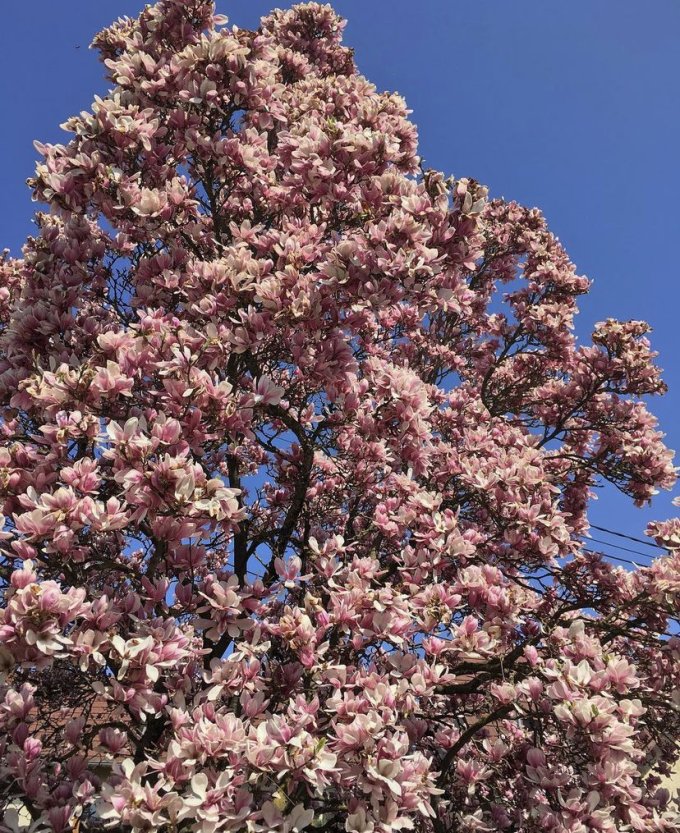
[629,537]
[610,544]
[622,559]
[613,557]
[619,547]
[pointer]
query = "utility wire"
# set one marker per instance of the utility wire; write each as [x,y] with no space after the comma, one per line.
[619,547]
[629,537]
[612,557]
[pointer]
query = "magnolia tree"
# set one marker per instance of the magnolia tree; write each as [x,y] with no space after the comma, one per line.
[298,447]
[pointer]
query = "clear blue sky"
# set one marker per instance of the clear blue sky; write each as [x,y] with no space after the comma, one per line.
[571,107]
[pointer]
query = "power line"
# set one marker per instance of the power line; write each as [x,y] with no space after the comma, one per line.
[619,547]
[629,537]
[612,557]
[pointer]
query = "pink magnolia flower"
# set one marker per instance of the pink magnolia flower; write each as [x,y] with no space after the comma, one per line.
[298,450]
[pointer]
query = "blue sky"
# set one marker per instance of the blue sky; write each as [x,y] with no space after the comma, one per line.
[571,107]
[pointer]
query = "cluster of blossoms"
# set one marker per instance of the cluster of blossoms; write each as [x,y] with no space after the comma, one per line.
[294,490]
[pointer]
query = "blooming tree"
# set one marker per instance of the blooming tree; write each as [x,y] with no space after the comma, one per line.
[298,447]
